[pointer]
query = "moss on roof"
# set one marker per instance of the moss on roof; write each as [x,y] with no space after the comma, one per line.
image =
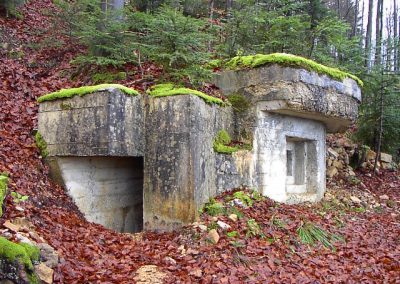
[81,91]
[290,60]
[169,89]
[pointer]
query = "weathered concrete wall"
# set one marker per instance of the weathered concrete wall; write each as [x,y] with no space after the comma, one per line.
[179,162]
[107,190]
[106,123]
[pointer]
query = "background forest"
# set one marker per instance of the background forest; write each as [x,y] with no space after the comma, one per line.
[361,37]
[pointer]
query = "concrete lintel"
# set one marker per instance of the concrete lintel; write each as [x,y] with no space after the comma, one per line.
[333,124]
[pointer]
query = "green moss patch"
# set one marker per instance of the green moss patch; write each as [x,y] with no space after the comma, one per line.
[3,191]
[81,91]
[24,253]
[222,144]
[290,60]
[169,89]
[41,144]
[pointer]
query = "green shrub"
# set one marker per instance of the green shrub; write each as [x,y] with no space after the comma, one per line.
[3,191]
[243,197]
[254,229]
[233,234]
[41,144]
[179,43]
[214,208]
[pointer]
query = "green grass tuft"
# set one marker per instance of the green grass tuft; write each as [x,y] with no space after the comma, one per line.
[214,208]
[169,89]
[310,234]
[81,91]
[3,191]
[290,60]
[41,144]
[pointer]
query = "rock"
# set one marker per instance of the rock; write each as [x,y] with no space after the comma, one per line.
[386,158]
[182,249]
[192,251]
[355,199]
[23,239]
[44,273]
[338,164]
[352,173]
[170,260]
[331,172]
[223,225]
[12,227]
[233,217]
[371,155]
[6,234]
[214,219]
[23,223]
[202,227]
[19,208]
[384,197]
[48,254]
[346,159]
[213,236]
[149,274]
[333,153]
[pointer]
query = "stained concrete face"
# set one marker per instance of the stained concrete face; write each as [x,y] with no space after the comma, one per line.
[282,142]
[107,190]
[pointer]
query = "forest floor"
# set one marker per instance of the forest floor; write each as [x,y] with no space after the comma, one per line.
[362,224]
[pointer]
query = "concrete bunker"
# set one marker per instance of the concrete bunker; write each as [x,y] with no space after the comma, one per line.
[133,161]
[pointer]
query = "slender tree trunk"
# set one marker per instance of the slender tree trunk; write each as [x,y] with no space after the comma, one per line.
[210,16]
[369,34]
[395,36]
[378,31]
[228,5]
[380,127]
[355,23]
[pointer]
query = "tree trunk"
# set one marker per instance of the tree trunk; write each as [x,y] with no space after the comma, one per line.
[378,30]
[369,34]
[380,128]
[395,36]
[355,23]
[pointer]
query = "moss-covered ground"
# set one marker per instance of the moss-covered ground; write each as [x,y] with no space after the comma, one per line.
[81,91]
[22,252]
